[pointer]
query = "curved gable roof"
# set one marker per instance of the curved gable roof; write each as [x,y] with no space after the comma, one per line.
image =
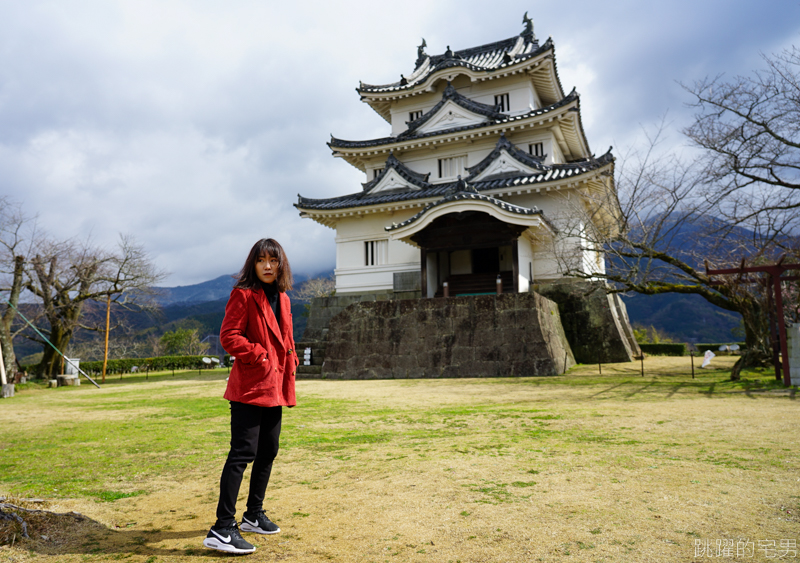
[415,179]
[504,146]
[482,59]
[409,134]
[451,95]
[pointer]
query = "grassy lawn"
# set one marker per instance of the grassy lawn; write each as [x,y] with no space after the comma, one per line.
[580,467]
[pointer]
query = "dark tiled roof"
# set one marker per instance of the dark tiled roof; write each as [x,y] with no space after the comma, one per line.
[415,178]
[493,113]
[467,192]
[500,119]
[548,174]
[485,58]
[505,145]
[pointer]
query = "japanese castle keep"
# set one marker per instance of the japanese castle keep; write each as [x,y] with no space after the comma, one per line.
[446,261]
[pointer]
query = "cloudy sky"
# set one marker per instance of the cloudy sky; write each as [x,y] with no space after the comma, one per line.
[193,125]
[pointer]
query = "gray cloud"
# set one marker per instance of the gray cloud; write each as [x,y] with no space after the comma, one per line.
[193,125]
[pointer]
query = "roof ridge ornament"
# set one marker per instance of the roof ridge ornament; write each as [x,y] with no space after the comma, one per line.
[449,54]
[527,33]
[461,186]
[421,55]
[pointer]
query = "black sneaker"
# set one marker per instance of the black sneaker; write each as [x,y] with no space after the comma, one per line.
[227,539]
[258,523]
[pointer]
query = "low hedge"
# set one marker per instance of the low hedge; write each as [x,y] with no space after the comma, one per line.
[664,349]
[159,363]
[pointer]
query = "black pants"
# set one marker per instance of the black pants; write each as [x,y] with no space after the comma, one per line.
[255,433]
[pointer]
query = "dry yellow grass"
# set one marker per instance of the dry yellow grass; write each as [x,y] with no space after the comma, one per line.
[578,468]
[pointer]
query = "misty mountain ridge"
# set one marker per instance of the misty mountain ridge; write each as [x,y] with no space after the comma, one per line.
[213,290]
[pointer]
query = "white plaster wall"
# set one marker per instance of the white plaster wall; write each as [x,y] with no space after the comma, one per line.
[525,258]
[371,278]
[352,275]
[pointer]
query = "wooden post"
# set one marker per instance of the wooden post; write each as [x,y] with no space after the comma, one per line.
[108,325]
[424,272]
[776,281]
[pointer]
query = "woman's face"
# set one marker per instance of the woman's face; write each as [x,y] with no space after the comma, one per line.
[267,268]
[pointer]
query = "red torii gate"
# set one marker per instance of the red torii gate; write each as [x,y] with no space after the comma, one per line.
[774,272]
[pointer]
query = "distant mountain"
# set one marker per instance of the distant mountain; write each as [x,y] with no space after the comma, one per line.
[685,318]
[212,290]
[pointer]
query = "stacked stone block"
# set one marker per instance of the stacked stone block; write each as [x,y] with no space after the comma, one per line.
[509,335]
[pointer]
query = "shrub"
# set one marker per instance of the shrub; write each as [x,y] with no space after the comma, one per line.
[145,364]
[664,349]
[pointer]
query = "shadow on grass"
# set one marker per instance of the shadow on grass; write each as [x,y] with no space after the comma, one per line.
[56,534]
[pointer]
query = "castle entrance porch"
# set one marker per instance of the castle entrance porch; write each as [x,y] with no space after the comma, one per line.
[468,250]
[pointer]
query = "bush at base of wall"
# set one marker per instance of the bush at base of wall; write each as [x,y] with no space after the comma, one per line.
[664,349]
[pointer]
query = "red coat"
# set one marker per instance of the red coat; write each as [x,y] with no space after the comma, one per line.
[264,371]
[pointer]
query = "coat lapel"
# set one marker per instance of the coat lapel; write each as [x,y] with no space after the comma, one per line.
[269,317]
[286,315]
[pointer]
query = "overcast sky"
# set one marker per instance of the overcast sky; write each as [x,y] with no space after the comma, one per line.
[193,125]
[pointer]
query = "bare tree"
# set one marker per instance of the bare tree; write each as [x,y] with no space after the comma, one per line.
[749,130]
[17,233]
[65,275]
[315,287]
[658,230]
[124,343]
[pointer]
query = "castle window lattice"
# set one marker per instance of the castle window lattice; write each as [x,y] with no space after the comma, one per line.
[536,149]
[452,167]
[414,115]
[376,252]
[502,100]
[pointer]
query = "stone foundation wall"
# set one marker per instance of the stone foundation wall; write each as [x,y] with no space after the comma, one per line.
[323,309]
[596,323]
[507,335]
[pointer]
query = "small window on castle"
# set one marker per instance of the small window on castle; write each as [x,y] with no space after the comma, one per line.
[376,173]
[375,252]
[452,167]
[536,149]
[414,115]
[502,101]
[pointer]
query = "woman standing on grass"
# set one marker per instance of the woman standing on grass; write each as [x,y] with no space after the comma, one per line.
[257,331]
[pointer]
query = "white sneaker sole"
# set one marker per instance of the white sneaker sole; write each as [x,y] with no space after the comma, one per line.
[247,527]
[212,543]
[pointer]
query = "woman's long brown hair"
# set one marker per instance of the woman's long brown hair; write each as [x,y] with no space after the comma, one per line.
[247,278]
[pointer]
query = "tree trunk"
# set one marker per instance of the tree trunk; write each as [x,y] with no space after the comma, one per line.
[758,348]
[50,365]
[6,323]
